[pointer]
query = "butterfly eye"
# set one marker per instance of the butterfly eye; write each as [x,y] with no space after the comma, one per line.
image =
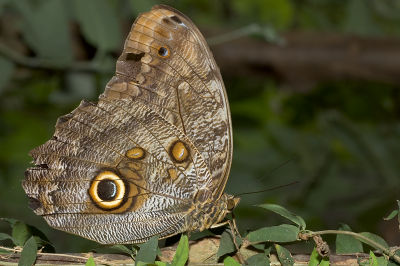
[107,190]
[163,52]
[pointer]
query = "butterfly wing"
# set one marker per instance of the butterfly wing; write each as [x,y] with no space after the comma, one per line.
[184,86]
[129,167]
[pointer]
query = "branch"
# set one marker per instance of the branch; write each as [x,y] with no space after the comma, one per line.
[41,63]
[203,251]
[308,58]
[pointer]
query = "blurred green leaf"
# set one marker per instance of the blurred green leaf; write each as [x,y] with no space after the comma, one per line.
[99,22]
[142,6]
[359,18]
[284,256]
[393,214]
[258,260]
[46,29]
[285,213]
[280,233]
[4,236]
[28,254]
[11,221]
[2,4]
[7,69]
[148,251]
[229,261]
[277,13]
[346,244]
[79,85]
[182,252]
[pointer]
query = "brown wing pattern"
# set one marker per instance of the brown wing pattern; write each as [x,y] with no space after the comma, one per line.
[185,87]
[129,167]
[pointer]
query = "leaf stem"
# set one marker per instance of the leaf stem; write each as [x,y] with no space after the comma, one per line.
[362,238]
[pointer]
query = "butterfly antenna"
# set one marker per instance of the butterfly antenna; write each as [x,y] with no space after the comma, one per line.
[268,189]
[267,174]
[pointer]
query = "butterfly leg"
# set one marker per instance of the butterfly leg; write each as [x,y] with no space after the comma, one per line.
[235,232]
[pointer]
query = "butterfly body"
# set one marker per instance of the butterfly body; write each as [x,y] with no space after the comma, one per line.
[153,155]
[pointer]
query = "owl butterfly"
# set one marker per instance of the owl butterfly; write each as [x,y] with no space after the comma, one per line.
[153,155]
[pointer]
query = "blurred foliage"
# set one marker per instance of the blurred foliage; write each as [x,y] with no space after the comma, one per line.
[341,138]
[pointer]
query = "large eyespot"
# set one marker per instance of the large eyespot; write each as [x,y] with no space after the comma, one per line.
[107,190]
[163,52]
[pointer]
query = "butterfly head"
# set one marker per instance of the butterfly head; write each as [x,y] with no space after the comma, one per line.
[231,202]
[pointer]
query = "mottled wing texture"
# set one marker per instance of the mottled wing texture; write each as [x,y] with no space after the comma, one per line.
[186,88]
[162,127]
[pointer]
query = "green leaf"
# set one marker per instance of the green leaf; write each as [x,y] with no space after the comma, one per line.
[258,260]
[4,236]
[148,251]
[90,262]
[182,252]
[374,238]
[99,22]
[28,254]
[324,262]
[122,249]
[199,235]
[314,258]
[285,213]
[20,233]
[284,256]
[382,261]
[372,259]
[393,214]
[229,261]
[347,244]
[7,69]
[398,204]
[279,233]
[45,28]
[11,221]
[226,245]
[160,263]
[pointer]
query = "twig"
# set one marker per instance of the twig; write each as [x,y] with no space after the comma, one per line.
[364,239]
[268,33]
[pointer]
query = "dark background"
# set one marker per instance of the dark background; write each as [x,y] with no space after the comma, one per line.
[313,87]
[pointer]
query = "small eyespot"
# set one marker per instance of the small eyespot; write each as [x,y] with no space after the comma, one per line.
[176,19]
[163,52]
[179,151]
[135,153]
[107,190]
